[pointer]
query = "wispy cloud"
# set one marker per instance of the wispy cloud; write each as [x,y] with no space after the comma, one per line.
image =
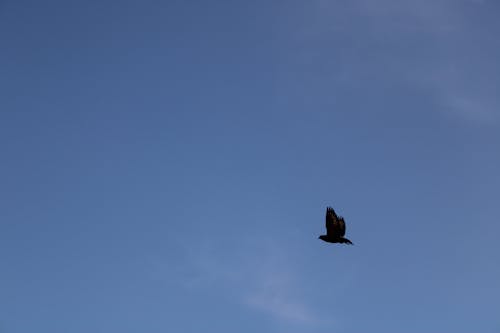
[434,45]
[467,91]
[281,306]
[262,278]
[274,290]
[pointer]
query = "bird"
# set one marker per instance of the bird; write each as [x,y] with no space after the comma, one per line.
[335,228]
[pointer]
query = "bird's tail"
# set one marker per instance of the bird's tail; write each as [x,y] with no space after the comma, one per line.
[345,241]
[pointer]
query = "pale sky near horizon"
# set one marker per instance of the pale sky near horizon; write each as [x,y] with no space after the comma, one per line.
[166,166]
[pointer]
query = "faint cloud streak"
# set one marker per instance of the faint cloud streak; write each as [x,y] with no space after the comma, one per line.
[433,45]
[261,277]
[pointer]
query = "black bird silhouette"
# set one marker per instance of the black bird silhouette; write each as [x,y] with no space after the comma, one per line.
[335,228]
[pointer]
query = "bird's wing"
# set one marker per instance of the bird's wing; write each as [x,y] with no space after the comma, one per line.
[342,226]
[332,223]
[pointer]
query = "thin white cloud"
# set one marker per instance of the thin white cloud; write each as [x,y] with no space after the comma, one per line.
[482,110]
[281,307]
[261,277]
[452,58]
[274,289]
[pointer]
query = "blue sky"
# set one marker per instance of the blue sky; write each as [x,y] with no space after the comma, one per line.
[166,166]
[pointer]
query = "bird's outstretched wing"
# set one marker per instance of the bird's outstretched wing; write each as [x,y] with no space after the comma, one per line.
[342,226]
[332,223]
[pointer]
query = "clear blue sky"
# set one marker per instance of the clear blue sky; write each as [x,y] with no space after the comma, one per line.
[166,165]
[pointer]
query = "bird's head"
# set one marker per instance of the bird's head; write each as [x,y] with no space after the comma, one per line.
[322,237]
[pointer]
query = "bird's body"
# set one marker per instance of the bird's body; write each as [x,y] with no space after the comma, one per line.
[335,228]
[334,239]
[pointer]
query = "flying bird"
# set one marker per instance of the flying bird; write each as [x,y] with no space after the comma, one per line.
[335,228]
